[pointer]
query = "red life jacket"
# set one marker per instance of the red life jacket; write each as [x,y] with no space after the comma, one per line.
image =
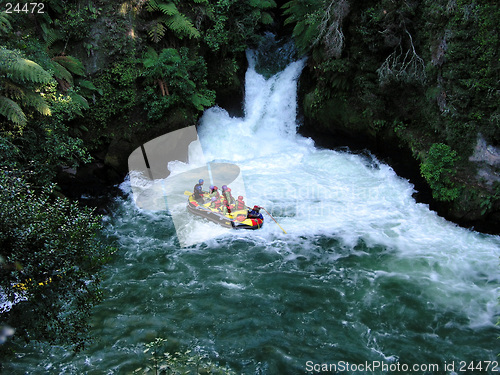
[240,204]
[216,204]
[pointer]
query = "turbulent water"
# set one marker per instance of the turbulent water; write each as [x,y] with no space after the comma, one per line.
[364,273]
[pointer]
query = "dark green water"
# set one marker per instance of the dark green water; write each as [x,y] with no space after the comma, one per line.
[268,305]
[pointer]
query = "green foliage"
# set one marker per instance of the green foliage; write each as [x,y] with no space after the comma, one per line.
[172,20]
[73,19]
[175,78]
[471,72]
[71,64]
[52,255]
[20,82]
[5,25]
[487,202]
[234,24]
[439,169]
[187,362]
[306,17]
[17,68]
[119,94]
[44,145]
[12,111]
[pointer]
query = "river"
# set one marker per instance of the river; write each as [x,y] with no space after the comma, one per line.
[363,275]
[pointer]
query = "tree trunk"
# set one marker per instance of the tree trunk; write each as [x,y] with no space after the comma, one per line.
[163,87]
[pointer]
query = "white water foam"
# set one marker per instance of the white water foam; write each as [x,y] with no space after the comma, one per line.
[313,191]
[317,192]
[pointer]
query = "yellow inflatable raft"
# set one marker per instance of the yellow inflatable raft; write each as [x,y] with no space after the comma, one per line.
[234,219]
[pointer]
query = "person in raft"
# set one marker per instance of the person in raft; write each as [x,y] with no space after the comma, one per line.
[240,203]
[215,203]
[225,206]
[226,192]
[214,192]
[255,213]
[198,192]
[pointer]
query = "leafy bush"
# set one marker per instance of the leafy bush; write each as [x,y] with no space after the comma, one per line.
[187,362]
[51,255]
[438,169]
[173,78]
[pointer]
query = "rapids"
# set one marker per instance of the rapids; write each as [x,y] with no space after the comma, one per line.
[364,272]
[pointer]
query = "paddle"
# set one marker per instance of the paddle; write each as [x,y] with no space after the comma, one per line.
[270,217]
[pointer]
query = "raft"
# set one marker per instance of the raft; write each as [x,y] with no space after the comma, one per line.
[235,219]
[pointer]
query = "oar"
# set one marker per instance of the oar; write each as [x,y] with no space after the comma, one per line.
[270,217]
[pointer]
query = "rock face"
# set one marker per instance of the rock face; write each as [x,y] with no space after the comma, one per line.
[487,158]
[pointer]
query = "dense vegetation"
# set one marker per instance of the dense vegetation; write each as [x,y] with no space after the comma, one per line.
[92,80]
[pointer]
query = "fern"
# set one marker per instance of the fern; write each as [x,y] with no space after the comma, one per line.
[266,18]
[20,69]
[169,9]
[87,85]
[299,28]
[5,25]
[150,58]
[88,89]
[61,72]
[71,63]
[50,35]
[262,4]
[15,72]
[79,101]
[37,102]
[12,111]
[306,15]
[181,25]
[12,90]
[201,102]
[172,20]
[156,32]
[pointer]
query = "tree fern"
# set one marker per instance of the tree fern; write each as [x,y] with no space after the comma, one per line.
[172,19]
[60,72]
[88,85]
[262,4]
[17,77]
[20,69]
[12,111]
[34,100]
[12,90]
[156,32]
[5,26]
[150,58]
[181,26]
[266,18]
[79,101]
[88,90]
[166,8]
[72,64]
[50,36]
